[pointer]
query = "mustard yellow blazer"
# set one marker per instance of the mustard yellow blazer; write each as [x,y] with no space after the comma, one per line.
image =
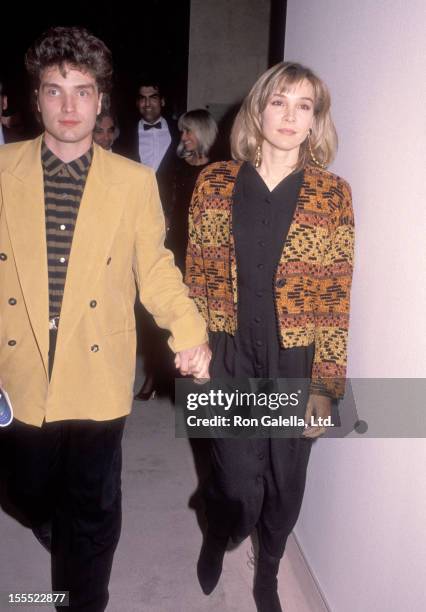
[118,239]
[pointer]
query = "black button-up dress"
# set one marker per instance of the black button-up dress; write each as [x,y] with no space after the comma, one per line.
[258,482]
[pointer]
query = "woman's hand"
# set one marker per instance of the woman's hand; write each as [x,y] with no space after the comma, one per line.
[318,408]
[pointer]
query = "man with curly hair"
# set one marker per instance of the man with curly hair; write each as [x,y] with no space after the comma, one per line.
[78,226]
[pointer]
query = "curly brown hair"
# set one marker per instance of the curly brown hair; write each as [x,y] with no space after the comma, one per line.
[70,46]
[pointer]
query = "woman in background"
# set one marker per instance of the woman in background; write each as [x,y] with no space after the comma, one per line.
[269,265]
[198,134]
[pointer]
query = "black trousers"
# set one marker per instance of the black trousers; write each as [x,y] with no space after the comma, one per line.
[69,473]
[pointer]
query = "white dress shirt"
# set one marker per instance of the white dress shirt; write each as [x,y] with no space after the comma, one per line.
[153,143]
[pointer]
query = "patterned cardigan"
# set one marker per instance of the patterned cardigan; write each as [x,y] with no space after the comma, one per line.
[313,277]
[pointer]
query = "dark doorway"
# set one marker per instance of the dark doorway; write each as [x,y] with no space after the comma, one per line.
[277,31]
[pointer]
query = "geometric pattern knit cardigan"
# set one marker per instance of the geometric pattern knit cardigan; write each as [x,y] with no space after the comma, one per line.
[313,278]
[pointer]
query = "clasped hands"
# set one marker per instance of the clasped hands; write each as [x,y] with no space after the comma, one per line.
[194,361]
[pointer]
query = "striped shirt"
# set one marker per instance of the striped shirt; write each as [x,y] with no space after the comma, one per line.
[63,189]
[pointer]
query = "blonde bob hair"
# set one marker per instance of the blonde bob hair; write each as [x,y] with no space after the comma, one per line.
[246,133]
[204,128]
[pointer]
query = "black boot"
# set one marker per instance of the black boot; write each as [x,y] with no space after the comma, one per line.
[265,588]
[147,391]
[210,561]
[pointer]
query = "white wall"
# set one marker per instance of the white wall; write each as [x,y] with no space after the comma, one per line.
[362,523]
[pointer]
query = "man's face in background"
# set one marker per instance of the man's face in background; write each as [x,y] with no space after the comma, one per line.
[105,132]
[150,103]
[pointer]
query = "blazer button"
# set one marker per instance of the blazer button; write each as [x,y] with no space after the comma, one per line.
[12,343]
[94,348]
[93,304]
[3,256]
[12,301]
[108,261]
[281,283]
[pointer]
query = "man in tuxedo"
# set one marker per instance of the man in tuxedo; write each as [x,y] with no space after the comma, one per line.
[78,226]
[153,140]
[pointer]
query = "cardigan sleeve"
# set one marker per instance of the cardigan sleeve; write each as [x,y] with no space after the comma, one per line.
[195,277]
[333,299]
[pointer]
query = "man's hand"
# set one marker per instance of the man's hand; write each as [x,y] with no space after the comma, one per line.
[319,407]
[194,361]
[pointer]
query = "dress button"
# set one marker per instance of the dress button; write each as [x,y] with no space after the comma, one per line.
[108,261]
[12,301]
[257,319]
[94,348]
[12,343]
[62,227]
[265,221]
[62,259]
[259,342]
[261,243]
[3,256]
[268,200]
[260,266]
[281,282]
[261,456]
[93,304]
[259,293]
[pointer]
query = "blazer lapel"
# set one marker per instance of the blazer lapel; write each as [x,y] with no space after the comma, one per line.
[24,208]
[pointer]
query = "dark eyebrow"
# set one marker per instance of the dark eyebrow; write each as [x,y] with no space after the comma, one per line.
[50,85]
[301,98]
[88,86]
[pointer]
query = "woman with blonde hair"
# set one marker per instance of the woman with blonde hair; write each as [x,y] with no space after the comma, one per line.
[198,134]
[269,264]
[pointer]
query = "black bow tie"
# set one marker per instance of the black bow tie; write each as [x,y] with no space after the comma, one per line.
[149,126]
